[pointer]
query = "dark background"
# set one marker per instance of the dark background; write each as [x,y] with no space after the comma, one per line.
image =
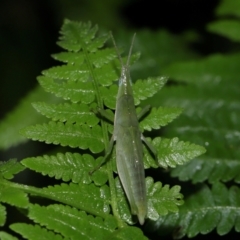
[29,30]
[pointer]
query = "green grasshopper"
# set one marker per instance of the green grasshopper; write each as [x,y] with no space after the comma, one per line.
[129,148]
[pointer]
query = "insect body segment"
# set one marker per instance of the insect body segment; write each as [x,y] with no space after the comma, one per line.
[129,148]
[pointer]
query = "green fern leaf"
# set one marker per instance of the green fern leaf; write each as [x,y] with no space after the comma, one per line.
[3,214]
[75,35]
[74,91]
[106,75]
[159,117]
[208,71]
[205,210]
[6,236]
[211,169]
[12,196]
[142,89]
[74,224]
[67,135]
[70,73]
[19,118]
[172,152]
[109,96]
[87,197]
[34,232]
[147,88]
[98,59]
[69,57]
[73,113]
[10,168]
[68,166]
[162,199]
[226,28]
[102,57]
[228,7]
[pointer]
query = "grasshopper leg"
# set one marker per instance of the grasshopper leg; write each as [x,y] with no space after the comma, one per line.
[108,152]
[143,111]
[104,114]
[150,146]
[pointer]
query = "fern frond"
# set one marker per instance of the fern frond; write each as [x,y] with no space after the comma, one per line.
[68,167]
[228,7]
[3,214]
[19,118]
[109,96]
[226,28]
[67,135]
[74,91]
[172,152]
[208,71]
[98,59]
[209,169]
[205,210]
[6,236]
[74,224]
[10,168]
[141,90]
[162,199]
[70,73]
[87,197]
[147,88]
[159,117]
[73,113]
[14,197]
[34,232]
[75,35]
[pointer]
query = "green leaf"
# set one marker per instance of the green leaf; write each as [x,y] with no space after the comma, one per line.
[10,168]
[159,117]
[203,211]
[209,169]
[34,232]
[89,198]
[67,135]
[109,96]
[228,7]
[162,199]
[6,236]
[172,152]
[226,28]
[19,118]
[13,196]
[3,214]
[65,73]
[74,91]
[77,36]
[143,89]
[68,166]
[74,224]
[98,59]
[212,70]
[73,113]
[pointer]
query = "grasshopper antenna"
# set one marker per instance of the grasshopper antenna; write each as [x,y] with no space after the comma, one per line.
[115,45]
[130,50]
